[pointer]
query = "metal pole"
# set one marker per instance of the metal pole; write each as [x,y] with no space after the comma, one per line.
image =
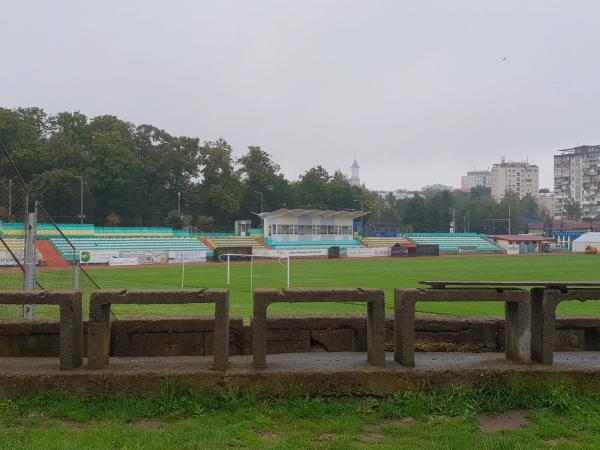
[288,271]
[81,199]
[251,274]
[468,222]
[261,200]
[179,203]
[10,198]
[182,271]
[508,219]
[228,274]
[29,266]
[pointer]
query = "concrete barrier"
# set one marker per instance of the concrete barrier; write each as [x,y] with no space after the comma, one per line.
[99,323]
[517,314]
[71,328]
[374,298]
[544,302]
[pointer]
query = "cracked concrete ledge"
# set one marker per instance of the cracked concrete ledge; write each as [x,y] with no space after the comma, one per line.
[344,373]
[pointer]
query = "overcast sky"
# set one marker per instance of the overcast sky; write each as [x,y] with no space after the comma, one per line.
[418,91]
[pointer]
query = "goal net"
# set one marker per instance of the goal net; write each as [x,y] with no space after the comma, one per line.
[264,271]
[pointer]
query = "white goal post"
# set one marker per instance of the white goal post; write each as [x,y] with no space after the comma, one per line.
[227,257]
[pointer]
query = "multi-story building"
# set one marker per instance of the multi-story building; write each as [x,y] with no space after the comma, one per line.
[476,178]
[399,194]
[577,179]
[520,178]
[437,187]
[545,201]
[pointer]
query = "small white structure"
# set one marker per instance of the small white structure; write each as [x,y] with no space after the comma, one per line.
[585,240]
[241,227]
[354,174]
[309,225]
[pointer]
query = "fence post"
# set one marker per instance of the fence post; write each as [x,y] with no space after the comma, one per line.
[29,266]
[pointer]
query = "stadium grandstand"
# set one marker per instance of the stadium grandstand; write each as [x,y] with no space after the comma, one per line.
[455,243]
[214,242]
[114,247]
[384,241]
[15,248]
[294,232]
[127,232]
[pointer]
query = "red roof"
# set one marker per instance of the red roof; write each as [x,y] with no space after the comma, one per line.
[518,237]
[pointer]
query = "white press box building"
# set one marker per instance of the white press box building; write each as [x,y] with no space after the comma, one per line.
[285,225]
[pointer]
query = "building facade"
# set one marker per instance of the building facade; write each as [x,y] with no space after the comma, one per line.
[476,178]
[520,178]
[577,179]
[545,201]
[309,225]
[437,187]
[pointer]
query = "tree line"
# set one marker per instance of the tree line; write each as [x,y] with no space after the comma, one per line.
[140,175]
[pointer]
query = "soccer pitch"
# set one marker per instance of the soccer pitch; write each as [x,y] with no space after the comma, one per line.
[386,274]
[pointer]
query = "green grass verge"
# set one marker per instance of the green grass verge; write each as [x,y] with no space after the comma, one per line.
[559,417]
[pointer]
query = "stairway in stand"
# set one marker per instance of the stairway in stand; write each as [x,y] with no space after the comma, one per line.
[51,257]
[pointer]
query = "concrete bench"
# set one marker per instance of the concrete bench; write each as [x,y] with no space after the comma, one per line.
[71,326]
[99,322]
[374,298]
[544,302]
[517,312]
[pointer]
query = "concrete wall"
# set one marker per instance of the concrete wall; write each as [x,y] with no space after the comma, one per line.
[344,332]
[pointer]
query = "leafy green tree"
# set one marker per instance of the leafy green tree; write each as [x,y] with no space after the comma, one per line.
[59,191]
[112,220]
[219,193]
[174,219]
[312,188]
[262,183]
[573,210]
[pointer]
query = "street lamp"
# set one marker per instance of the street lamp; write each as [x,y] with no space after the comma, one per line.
[261,200]
[80,198]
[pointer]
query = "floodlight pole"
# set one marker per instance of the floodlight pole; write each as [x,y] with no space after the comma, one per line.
[261,201]
[80,198]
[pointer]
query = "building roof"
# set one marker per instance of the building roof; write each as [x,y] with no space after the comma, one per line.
[518,237]
[311,212]
[588,237]
[355,165]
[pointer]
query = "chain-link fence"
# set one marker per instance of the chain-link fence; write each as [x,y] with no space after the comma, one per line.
[35,252]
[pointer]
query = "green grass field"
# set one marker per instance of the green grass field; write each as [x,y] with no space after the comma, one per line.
[377,273]
[543,416]
[386,274]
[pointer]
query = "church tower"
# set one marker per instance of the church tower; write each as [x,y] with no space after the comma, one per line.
[355,178]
